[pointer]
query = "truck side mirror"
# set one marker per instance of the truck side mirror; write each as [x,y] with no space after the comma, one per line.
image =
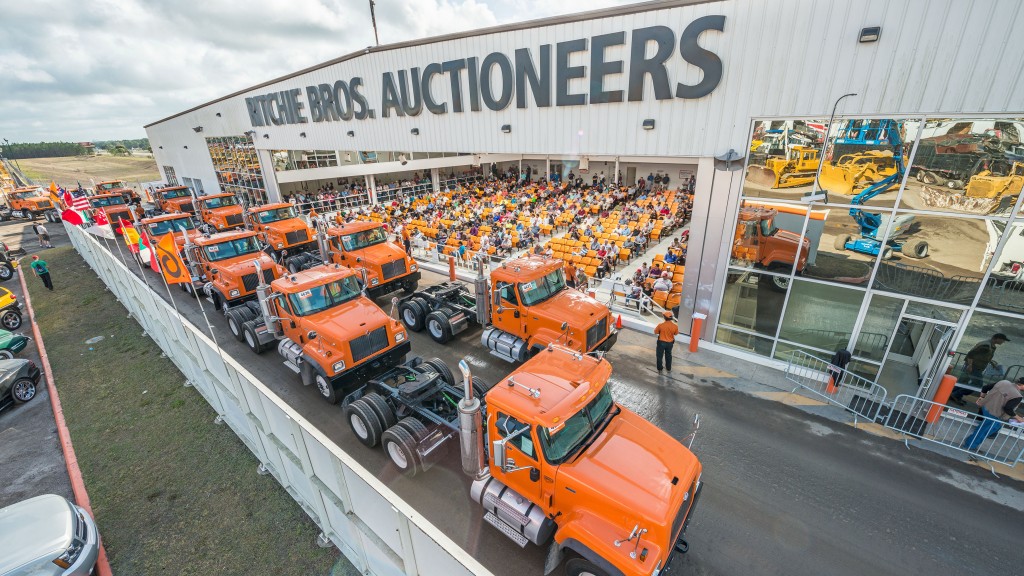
[534,474]
[498,454]
[311,335]
[565,326]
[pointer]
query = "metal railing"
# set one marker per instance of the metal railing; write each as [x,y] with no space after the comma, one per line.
[927,283]
[994,440]
[1003,294]
[835,385]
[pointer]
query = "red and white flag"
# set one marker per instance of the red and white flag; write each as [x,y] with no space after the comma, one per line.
[101,226]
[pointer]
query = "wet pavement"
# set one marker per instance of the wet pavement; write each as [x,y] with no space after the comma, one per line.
[787,491]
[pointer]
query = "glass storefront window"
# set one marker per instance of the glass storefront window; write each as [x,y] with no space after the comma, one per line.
[819,314]
[784,350]
[880,320]
[1005,287]
[1009,356]
[933,311]
[238,168]
[836,250]
[753,301]
[783,158]
[865,161]
[744,341]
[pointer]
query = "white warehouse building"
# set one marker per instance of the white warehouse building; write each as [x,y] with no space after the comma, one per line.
[890,133]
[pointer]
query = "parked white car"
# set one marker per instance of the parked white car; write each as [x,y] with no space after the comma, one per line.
[47,536]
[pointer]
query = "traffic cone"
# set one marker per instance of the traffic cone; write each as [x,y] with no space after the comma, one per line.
[618,322]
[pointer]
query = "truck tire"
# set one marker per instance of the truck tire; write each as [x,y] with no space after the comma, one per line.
[917,249]
[235,321]
[412,315]
[438,326]
[381,409]
[6,271]
[842,241]
[410,287]
[325,388]
[480,387]
[441,368]
[10,320]
[251,340]
[400,446]
[364,423]
[189,289]
[583,567]
[415,427]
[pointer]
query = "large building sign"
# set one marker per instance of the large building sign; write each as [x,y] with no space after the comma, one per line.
[496,81]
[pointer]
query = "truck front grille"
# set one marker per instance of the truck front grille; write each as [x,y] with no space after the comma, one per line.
[368,345]
[393,268]
[188,207]
[115,216]
[296,237]
[597,333]
[251,281]
[234,220]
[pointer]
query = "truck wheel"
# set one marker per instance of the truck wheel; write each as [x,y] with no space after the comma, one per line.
[364,423]
[842,241]
[916,249]
[235,325]
[250,337]
[6,272]
[412,315]
[189,289]
[480,387]
[11,320]
[400,446]
[23,390]
[414,426]
[381,409]
[439,327]
[325,388]
[583,567]
[441,368]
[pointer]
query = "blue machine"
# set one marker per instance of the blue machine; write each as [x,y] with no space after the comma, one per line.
[871,224]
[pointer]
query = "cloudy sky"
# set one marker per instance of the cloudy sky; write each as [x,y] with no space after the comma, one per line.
[100,69]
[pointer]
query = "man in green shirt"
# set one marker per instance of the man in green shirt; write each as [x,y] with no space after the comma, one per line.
[39,266]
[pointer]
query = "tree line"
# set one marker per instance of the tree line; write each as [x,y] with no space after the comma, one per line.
[142,143]
[19,150]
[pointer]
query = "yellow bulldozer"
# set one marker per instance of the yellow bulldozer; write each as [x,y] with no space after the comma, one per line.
[984,184]
[796,169]
[985,193]
[853,172]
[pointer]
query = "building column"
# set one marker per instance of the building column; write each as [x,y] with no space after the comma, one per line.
[547,168]
[269,176]
[371,187]
[615,175]
[435,179]
[520,167]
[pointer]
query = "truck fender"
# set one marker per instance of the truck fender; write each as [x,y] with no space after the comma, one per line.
[309,369]
[541,338]
[583,551]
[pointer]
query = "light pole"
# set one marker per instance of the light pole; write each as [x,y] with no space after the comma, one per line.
[373,19]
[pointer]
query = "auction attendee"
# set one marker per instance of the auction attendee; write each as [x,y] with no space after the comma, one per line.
[998,402]
[39,266]
[666,332]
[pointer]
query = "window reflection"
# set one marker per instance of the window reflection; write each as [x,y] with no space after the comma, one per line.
[865,161]
[753,301]
[784,157]
[744,340]
[821,315]
[768,236]
[1005,287]
[879,322]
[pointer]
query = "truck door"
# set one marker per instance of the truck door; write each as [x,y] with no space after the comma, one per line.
[523,450]
[508,316]
[291,328]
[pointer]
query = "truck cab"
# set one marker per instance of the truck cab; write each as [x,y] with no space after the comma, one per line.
[118,187]
[28,202]
[365,245]
[174,200]
[283,229]
[328,332]
[758,240]
[223,266]
[113,207]
[180,225]
[221,211]
[612,489]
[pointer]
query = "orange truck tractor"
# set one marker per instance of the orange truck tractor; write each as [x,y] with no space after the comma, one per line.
[281,227]
[525,307]
[554,460]
[327,331]
[119,187]
[365,246]
[221,266]
[221,211]
[174,200]
[758,240]
[29,202]
[180,225]
[114,207]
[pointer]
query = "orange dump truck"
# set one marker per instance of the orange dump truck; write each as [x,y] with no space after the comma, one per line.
[180,225]
[221,211]
[119,187]
[565,466]
[327,331]
[174,200]
[525,307]
[114,207]
[28,202]
[758,240]
[281,227]
[221,266]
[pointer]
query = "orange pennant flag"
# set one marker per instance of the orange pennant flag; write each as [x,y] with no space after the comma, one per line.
[53,186]
[171,264]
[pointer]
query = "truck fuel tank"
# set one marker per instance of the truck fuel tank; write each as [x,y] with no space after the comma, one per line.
[511,513]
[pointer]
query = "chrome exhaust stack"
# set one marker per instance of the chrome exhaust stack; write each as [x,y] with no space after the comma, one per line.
[471,428]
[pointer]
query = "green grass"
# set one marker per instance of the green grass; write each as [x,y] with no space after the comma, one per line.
[173,492]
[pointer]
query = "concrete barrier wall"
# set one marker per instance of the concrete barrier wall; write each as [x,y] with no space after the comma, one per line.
[375,529]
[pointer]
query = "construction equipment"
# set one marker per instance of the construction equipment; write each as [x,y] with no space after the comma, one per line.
[796,169]
[179,225]
[553,459]
[873,225]
[119,187]
[29,202]
[525,307]
[220,211]
[986,184]
[327,331]
[114,208]
[856,171]
[174,199]
[281,228]
[758,240]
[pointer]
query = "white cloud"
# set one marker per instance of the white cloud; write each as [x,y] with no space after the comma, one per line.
[101,69]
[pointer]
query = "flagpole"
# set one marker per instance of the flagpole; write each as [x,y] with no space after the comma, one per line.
[139,231]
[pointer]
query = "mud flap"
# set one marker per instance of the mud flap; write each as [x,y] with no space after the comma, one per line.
[554,558]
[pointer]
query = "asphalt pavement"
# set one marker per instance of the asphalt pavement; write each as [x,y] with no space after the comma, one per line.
[786,492]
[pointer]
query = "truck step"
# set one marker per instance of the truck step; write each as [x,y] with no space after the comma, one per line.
[291,366]
[506,509]
[504,357]
[505,529]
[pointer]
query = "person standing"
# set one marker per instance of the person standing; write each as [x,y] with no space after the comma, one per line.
[998,402]
[666,332]
[39,266]
[44,236]
[975,362]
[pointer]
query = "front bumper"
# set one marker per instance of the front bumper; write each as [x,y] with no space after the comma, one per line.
[86,561]
[358,375]
[610,341]
[680,546]
[392,285]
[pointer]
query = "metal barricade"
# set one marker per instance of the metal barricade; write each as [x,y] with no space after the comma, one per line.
[953,428]
[835,385]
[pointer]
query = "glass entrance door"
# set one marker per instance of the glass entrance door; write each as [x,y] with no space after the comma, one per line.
[917,348]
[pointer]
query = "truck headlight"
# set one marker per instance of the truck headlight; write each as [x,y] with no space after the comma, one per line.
[234,293]
[338,366]
[374,281]
[412,267]
[280,245]
[400,336]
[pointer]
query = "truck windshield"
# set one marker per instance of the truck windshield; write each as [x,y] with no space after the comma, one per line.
[179,193]
[220,201]
[28,194]
[561,444]
[231,248]
[767,228]
[363,239]
[111,201]
[541,289]
[323,297]
[110,185]
[175,225]
[276,215]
